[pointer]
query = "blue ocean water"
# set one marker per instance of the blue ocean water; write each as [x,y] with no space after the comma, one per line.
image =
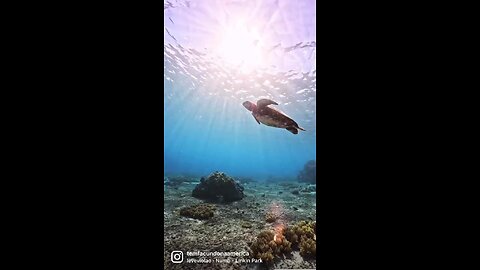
[219,54]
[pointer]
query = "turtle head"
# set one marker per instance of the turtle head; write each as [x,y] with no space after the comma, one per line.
[249,106]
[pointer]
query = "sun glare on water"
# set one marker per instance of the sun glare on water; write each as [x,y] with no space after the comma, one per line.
[240,47]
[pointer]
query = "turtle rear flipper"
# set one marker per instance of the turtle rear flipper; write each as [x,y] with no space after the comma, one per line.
[297,126]
[293,130]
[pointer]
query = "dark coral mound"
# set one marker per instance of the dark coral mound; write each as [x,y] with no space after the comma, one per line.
[199,211]
[267,246]
[309,172]
[218,187]
[303,235]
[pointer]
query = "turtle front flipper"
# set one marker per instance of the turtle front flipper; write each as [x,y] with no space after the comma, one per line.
[265,102]
[256,118]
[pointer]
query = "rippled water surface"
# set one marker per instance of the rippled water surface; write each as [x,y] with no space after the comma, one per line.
[218,54]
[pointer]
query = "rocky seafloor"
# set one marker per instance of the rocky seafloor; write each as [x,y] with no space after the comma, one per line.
[234,226]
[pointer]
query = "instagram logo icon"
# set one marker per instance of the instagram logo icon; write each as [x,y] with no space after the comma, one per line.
[176,257]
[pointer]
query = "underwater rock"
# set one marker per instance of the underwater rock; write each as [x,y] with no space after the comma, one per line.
[246,224]
[218,187]
[199,211]
[295,192]
[309,172]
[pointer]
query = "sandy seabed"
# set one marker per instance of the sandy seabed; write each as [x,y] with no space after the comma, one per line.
[222,242]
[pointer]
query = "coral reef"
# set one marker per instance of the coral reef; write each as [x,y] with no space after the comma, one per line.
[308,247]
[235,226]
[302,228]
[271,217]
[200,211]
[174,181]
[268,245]
[309,172]
[309,188]
[218,187]
[303,235]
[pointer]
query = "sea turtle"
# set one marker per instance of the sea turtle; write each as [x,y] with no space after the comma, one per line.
[270,116]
